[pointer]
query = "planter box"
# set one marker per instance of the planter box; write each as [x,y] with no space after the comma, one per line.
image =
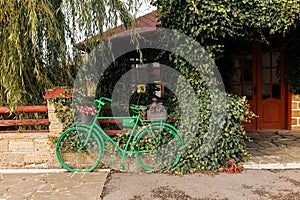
[157,115]
[84,118]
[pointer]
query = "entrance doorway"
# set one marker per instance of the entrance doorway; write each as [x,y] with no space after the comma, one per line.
[258,75]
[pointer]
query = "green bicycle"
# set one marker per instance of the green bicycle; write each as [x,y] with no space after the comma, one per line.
[156,145]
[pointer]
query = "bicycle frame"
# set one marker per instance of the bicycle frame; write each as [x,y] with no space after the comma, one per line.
[98,129]
[95,133]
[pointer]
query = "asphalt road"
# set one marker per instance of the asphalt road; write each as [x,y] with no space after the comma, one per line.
[249,184]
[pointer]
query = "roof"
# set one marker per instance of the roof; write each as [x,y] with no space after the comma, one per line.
[59,92]
[148,20]
[146,23]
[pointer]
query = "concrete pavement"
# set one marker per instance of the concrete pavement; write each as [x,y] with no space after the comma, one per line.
[51,184]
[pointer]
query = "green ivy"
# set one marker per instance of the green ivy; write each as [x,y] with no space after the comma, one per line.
[211,23]
[63,110]
[293,62]
[230,144]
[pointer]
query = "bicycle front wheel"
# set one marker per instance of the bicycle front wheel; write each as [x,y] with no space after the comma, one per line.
[73,155]
[158,147]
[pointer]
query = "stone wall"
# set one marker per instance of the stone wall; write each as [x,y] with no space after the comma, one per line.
[55,126]
[27,150]
[32,149]
[295,112]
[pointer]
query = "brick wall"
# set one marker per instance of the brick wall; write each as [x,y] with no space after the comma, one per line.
[27,150]
[295,112]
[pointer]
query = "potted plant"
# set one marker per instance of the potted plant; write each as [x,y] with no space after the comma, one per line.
[86,113]
[157,111]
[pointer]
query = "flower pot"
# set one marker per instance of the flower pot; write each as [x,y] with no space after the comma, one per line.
[84,118]
[157,115]
[157,111]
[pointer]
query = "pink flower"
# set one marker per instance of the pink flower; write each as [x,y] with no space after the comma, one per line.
[88,110]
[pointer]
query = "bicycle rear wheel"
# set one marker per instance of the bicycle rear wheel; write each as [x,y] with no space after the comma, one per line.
[158,147]
[73,155]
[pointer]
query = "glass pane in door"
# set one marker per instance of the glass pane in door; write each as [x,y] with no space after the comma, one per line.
[270,77]
[275,75]
[248,75]
[266,91]
[242,75]
[266,59]
[248,91]
[237,89]
[266,75]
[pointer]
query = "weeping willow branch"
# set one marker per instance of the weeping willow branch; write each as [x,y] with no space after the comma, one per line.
[34,41]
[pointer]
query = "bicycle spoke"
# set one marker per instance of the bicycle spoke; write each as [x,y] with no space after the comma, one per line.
[76,155]
[158,147]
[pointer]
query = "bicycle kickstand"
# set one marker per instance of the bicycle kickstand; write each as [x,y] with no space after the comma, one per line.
[122,166]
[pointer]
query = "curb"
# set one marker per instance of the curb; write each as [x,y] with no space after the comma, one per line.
[252,165]
[37,171]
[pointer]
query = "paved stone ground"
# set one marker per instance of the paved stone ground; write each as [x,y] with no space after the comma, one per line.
[274,150]
[19,185]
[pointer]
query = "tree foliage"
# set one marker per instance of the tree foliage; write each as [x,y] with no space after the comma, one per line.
[212,20]
[36,39]
[31,38]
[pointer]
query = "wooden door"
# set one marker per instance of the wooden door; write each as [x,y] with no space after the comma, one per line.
[270,87]
[258,76]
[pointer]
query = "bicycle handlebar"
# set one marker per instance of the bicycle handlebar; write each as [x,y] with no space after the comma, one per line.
[134,108]
[100,102]
[105,98]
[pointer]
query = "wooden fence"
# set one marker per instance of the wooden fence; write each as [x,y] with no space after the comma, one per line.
[42,121]
[24,122]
